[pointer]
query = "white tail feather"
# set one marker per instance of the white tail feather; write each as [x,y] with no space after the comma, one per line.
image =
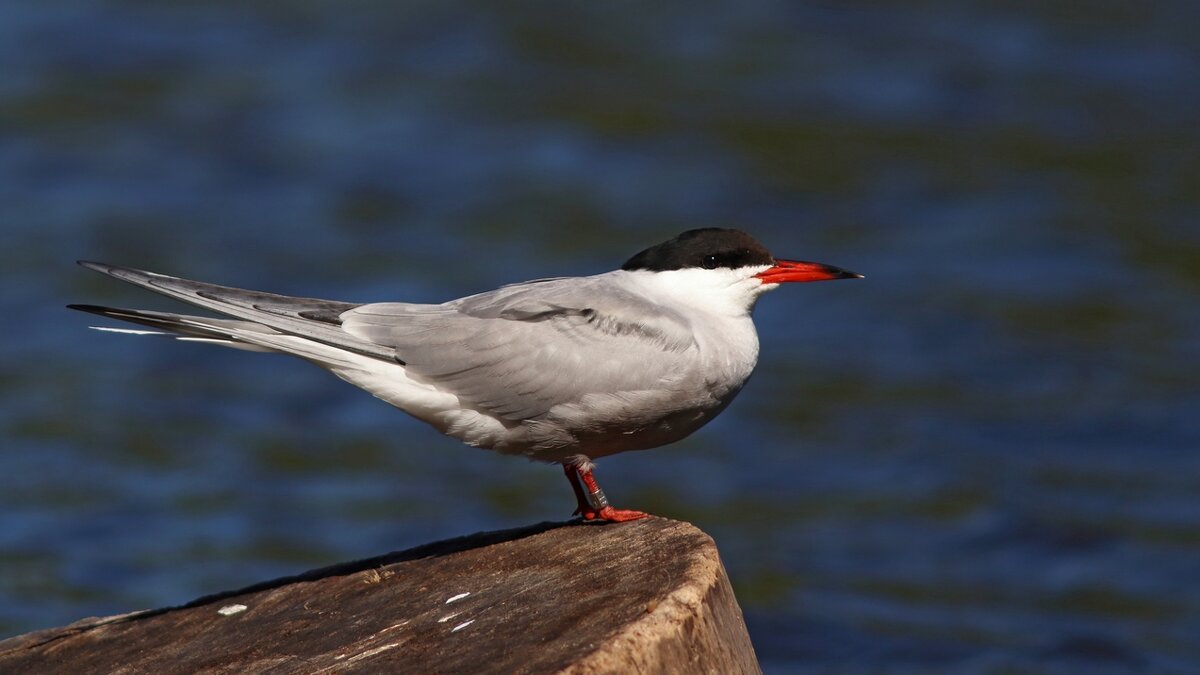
[128,331]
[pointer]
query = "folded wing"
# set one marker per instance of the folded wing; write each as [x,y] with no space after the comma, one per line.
[517,352]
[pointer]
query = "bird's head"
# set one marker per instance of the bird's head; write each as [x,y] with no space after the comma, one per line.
[723,269]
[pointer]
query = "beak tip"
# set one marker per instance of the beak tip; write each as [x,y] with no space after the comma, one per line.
[839,273]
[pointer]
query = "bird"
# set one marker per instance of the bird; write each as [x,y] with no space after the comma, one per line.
[561,370]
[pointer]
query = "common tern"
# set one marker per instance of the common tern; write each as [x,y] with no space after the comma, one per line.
[562,370]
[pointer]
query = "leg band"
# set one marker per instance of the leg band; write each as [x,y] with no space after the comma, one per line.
[597,499]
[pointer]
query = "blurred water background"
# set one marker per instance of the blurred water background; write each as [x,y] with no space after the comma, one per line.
[983,458]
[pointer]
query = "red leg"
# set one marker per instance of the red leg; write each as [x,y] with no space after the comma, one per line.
[593,504]
[573,476]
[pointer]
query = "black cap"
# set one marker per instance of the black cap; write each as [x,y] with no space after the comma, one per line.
[707,248]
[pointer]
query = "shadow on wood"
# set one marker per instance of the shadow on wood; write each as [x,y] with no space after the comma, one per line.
[646,596]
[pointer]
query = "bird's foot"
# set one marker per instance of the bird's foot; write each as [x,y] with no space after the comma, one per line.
[610,515]
[593,504]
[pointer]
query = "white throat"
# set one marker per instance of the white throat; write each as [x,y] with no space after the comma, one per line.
[721,291]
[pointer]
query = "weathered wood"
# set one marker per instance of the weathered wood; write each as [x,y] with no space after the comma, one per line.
[649,596]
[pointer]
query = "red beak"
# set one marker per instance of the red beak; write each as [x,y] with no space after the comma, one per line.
[794,270]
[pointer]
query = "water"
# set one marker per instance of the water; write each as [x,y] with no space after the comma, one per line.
[982,458]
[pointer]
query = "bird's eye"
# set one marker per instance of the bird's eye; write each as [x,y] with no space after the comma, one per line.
[710,262]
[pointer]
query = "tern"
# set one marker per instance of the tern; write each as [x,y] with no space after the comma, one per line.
[562,370]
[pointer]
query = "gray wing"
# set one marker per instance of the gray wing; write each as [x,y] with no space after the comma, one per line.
[518,351]
[305,317]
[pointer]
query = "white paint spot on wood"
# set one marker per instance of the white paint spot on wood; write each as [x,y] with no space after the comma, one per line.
[458,597]
[372,652]
[230,610]
[462,626]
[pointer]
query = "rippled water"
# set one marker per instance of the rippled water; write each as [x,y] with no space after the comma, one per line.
[983,458]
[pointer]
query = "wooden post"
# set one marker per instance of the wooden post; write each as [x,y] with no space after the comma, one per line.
[648,596]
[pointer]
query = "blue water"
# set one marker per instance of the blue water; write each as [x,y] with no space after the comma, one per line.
[983,458]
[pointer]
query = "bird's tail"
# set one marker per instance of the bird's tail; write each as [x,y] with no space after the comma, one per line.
[246,335]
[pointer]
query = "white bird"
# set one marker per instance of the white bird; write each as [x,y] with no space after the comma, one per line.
[558,370]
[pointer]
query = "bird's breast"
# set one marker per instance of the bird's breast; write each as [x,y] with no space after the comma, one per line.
[728,352]
[724,357]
